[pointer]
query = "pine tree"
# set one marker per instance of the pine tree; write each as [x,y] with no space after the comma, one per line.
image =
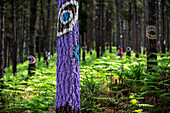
[68,78]
[117,23]
[97,40]
[162,27]
[14,47]
[151,35]
[32,46]
[2,31]
[48,44]
[129,30]
[136,30]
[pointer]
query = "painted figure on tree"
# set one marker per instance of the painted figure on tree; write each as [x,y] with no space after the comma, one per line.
[68,78]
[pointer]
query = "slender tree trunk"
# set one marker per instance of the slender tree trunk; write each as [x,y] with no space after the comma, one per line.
[27,35]
[53,31]
[5,52]
[87,34]
[91,28]
[139,30]
[145,24]
[162,27]
[129,31]
[98,28]
[110,23]
[44,29]
[136,31]
[122,25]
[2,28]
[124,35]
[117,23]
[32,47]
[68,77]
[48,44]
[151,36]
[21,37]
[157,25]
[40,33]
[9,52]
[83,47]
[14,51]
[103,28]
[168,37]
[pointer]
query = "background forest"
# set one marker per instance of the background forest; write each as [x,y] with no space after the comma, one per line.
[121,69]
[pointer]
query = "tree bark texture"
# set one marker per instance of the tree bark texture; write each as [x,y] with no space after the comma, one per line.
[117,23]
[157,25]
[145,3]
[48,36]
[2,28]
[102,28]
[53,32]
[21,37]
[83,47]
[162,27]
[139,29]
[110,23]
[168,37]
[136,30]
[14,51]
[98,28]
[151,35]
[40,34]
[128,49]
[32,45]
[91,43]
[68,77]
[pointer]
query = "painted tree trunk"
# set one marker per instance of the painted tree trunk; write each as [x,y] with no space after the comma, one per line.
[68,78]
[14,51]
[151,35]
[32,47]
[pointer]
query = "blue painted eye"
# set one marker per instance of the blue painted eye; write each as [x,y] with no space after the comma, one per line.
[66,16]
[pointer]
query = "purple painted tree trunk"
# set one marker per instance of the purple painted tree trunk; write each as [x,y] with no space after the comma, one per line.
[68,78]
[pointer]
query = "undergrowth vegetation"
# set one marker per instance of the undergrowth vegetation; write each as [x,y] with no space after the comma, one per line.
[108,84]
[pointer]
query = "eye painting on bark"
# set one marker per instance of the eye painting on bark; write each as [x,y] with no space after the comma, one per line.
[31,59]
[151,32]
[67,17]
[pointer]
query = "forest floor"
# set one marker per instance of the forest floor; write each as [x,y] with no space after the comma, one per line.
[108,85]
